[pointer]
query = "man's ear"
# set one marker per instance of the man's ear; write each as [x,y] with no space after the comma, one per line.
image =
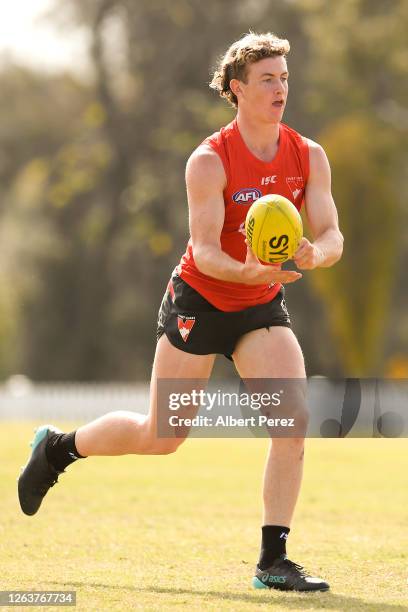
[235,86]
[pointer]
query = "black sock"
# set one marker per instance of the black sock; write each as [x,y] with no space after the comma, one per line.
[61,450]
[273,544]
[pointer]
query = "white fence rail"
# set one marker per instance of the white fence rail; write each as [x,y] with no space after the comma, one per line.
[22,400]
[374,408]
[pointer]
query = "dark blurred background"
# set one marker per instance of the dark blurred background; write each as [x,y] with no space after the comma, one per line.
[93,212]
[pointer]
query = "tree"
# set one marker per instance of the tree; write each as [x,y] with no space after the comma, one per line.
[356,86]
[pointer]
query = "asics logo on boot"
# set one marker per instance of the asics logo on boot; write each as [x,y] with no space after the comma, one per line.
[270,578]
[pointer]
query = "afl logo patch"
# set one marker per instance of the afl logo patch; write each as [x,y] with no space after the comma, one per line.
[247,195]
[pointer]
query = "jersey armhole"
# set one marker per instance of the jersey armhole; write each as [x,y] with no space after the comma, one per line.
[304,159]
[217,147]
[305,165]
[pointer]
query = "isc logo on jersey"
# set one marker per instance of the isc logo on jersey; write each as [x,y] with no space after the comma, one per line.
[246,196]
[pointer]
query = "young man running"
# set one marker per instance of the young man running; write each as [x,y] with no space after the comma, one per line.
[221,299]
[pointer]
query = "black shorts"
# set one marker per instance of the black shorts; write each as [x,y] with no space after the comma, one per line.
[195,326]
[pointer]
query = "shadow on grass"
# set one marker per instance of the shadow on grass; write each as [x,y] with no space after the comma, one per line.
[305,601]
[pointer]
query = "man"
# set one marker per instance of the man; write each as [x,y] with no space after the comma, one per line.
[221,299]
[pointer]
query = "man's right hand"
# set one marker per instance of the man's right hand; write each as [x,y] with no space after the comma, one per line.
[255,273]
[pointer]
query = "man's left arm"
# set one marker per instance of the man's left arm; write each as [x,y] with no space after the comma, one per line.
[321,213]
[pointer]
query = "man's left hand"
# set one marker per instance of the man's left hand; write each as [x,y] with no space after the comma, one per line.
[308,256]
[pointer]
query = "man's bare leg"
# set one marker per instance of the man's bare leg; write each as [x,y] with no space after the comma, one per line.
[281,358]
[122,433]
[116,433]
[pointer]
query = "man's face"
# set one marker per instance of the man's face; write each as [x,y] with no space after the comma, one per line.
[265,92]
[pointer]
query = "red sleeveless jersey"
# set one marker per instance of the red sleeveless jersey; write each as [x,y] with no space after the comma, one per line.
[248,178]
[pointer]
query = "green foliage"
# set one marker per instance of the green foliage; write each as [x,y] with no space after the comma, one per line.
[357,291]
[356,87]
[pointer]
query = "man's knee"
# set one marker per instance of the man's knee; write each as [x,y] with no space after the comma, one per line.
[301,415]
[296,408]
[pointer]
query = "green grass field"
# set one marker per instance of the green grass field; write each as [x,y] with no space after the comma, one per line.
[182,531]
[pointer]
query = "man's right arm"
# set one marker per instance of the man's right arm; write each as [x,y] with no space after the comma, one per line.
[206,180]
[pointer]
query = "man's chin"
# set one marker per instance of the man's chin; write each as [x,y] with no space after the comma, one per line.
[274,120]
[276,115]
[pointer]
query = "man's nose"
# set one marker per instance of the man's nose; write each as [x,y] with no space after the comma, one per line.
[279,88]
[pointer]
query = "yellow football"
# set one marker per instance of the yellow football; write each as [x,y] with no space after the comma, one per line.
[273,228]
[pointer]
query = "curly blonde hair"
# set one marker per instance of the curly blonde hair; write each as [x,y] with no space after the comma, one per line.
[247,50]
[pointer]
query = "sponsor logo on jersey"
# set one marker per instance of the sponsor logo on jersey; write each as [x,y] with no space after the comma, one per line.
[269,179]
[185,325]
[295,184]
[246,196]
